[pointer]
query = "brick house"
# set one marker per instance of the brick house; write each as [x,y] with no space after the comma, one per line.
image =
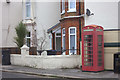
[66,35]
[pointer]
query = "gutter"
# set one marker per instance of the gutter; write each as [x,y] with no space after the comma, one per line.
[68,17]
[80,26]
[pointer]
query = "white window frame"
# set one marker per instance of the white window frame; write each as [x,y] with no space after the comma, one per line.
[26,9]
[28,38]
[50,37]
[69,9]
[75,39]
[63,35]
[63,3]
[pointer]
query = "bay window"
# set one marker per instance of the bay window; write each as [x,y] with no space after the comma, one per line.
[72,40]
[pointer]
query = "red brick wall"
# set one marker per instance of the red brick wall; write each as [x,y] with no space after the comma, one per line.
[72,22]
[72,13]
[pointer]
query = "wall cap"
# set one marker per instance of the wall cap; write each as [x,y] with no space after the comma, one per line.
[25,47]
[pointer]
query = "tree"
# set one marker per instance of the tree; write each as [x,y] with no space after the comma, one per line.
[21,32]
[42,41]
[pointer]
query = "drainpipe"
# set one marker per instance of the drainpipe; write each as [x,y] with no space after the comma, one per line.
[80,20]
[80,25]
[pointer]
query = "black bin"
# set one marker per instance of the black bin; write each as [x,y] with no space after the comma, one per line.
[6,57]
[51,52]
[117,63]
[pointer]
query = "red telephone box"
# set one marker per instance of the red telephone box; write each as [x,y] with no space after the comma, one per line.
[92,48]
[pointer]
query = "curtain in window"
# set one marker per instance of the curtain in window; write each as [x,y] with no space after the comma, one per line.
[72,40]
[72,43]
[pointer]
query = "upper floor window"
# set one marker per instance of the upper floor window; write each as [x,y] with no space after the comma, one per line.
[72,5]
[28,6]
[63,6]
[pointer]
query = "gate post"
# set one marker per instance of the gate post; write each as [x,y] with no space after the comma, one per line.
[24,50]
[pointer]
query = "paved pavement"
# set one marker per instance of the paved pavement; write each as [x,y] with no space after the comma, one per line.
[12,75]
[21,75]
[66,73]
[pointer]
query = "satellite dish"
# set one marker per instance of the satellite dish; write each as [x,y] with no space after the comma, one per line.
[88,12]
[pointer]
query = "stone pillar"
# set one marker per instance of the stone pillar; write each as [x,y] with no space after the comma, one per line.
[24,50]
[44,54]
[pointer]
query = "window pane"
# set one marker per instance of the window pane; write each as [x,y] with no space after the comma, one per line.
[99,64]
[63,4]
[27,9]
[99,36]
[88,36]
[28,34]
[100,50]
[72,4]
[58,34]
[99,30]
[72,43]
[72,31]
[58,43]
[63,31]
[63,42]
[28,42]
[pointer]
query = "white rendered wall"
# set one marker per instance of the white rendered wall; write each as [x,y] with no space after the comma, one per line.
[11,16]
[0,24]
[47,15]
[48,62]
[105,13]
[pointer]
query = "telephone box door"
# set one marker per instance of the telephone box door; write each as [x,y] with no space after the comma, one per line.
[92,48]
[87,56]
[100,50]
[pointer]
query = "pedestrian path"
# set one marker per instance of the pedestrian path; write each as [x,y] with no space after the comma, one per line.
[67,73]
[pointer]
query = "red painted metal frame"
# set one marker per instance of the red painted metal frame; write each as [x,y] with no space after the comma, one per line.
[95,34]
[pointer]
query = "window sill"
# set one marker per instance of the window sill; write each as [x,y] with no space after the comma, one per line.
[71,11]
[27,18]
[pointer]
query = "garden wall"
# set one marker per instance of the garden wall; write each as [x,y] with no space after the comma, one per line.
[43,61]
[46,62]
